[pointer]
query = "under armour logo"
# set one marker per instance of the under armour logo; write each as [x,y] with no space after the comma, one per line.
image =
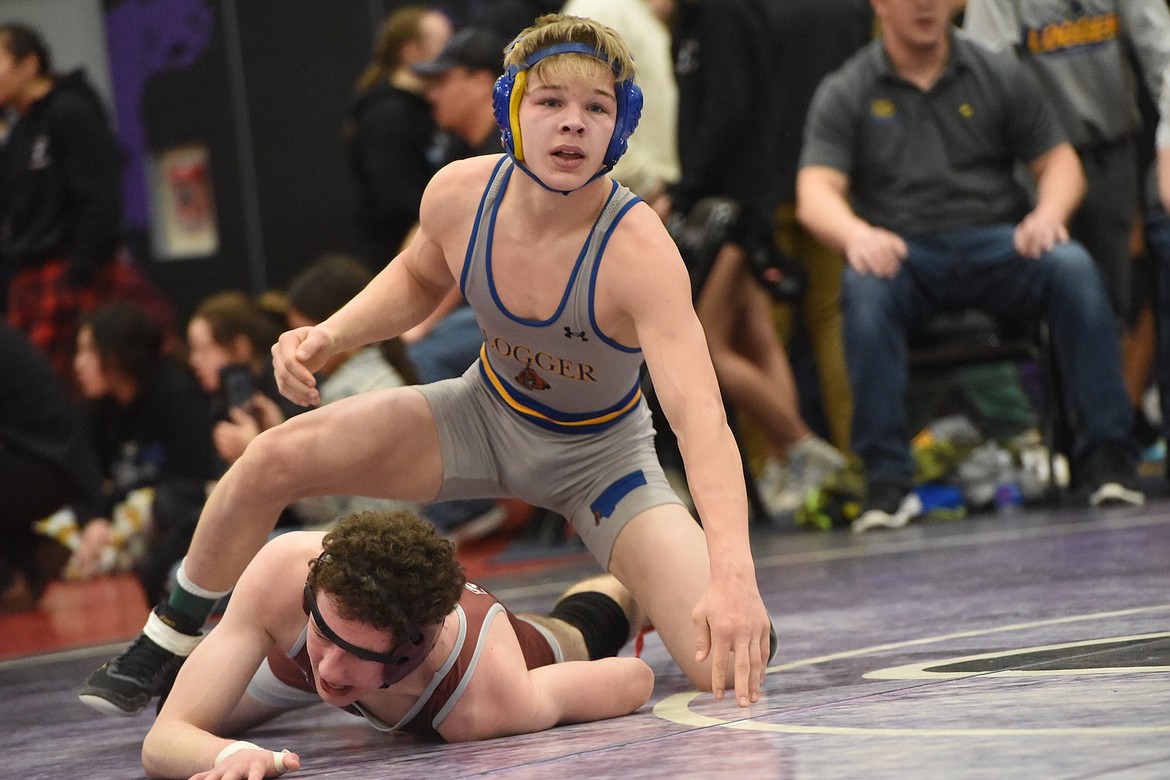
[570,333]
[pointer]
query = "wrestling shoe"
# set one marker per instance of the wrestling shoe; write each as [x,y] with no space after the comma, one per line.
[125,684]
[887,505]
[1110,472]
[811,461]
[784,487]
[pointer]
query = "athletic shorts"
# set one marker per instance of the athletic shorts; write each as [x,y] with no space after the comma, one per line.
[597,481]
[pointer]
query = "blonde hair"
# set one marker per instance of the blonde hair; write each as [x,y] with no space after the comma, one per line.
[552,29]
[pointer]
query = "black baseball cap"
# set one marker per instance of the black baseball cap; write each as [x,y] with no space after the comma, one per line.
[474,48]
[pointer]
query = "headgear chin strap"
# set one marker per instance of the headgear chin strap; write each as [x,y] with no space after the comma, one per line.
[398,661]
[509,91]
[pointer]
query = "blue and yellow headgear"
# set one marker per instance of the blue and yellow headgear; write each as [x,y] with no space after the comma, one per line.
[509,90]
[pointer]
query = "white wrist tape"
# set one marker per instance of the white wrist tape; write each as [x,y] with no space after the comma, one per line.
[235,747]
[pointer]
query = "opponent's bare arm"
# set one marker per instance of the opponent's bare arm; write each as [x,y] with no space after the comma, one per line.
[730,616]
[191,729]
[400,296]
[505,697]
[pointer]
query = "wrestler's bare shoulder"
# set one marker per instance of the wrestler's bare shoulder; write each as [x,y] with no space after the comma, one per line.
[279,554]
[453,191]
[471,172]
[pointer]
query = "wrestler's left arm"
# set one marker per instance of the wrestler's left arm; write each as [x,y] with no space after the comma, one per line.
[504,697]
[730,617]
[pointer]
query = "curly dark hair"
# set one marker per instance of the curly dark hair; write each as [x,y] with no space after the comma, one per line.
[389,568]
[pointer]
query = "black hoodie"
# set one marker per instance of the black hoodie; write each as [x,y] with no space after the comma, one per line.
[726,64]
[392,134]
[60,183]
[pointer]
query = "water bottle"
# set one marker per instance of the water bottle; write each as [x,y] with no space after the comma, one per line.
[1008,495]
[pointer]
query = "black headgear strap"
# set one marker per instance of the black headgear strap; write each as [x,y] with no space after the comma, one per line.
[391,656]
[399,660]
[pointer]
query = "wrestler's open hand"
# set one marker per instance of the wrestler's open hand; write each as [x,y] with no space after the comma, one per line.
[730,620]
[296,356]
[252,765]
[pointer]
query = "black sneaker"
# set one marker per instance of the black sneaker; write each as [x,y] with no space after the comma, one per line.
[1109,473]
[887,505]
[124,685]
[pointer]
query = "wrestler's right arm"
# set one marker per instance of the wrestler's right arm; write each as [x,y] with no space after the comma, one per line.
[209,691]
[398,298]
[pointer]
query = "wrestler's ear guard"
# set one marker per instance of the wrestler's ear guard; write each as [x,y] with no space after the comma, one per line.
[509,91]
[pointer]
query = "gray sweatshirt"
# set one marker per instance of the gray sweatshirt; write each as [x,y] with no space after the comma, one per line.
[1078,51]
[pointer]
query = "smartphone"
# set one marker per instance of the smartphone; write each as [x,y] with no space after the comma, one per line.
[237,385]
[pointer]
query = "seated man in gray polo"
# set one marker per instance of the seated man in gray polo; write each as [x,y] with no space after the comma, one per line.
[908,168]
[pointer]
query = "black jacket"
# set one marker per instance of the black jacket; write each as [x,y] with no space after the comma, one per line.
[163,436]
[60,183]
[728,112]
[38,418]
[392,134]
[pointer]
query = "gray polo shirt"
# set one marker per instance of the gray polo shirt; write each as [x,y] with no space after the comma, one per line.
[920,162]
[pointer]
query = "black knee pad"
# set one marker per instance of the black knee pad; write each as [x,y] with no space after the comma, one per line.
[600,620]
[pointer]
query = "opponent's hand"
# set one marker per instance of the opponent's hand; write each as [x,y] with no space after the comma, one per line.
[252,765]
[730,620]
[875,250]
[296,355]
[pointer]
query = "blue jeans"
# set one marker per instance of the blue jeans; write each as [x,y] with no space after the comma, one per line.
[451,346]
[978,267]
[1157,227]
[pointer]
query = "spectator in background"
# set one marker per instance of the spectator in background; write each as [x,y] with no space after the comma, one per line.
[651,166]
[1157,234]
[60,203]
[391,130]
[818,36]
[1083,55]
[230,336]
[151,427]
[459,85]
[728,120]
[908,168]
[47,461]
